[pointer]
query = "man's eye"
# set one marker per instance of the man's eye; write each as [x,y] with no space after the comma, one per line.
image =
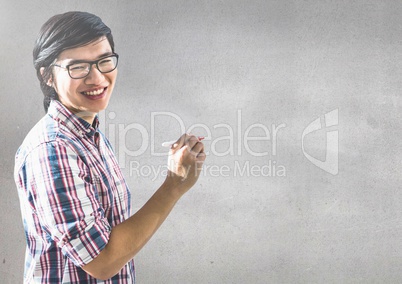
[105,61]
[77,67]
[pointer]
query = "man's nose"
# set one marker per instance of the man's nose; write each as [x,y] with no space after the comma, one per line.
[94,77]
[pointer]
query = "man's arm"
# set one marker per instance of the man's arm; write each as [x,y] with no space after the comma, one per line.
[127,238]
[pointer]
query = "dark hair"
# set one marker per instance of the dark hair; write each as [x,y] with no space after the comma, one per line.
[61,32]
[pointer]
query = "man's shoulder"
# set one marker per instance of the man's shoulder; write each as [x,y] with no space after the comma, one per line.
[46,132]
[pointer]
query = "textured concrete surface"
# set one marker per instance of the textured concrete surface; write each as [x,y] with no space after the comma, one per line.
[300,104]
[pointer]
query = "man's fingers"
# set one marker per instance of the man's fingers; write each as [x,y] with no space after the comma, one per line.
[201,157]
[180,142]
[197,148]
[191,142]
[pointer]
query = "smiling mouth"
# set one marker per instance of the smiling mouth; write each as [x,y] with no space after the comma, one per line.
[95,92]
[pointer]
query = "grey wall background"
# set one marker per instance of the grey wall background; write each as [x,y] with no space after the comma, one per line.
[267,62]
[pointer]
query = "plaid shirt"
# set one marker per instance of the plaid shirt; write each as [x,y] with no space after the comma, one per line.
[72,192]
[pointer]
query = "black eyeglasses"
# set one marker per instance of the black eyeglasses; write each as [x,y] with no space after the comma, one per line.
[79,70]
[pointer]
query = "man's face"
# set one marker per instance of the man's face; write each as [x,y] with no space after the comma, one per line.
[89,95]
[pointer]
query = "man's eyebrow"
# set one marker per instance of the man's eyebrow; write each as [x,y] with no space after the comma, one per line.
[105,54]
[73,61]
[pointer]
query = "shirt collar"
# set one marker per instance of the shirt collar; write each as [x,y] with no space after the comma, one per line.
[76,124]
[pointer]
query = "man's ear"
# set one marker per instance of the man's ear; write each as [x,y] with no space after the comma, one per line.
[50,80]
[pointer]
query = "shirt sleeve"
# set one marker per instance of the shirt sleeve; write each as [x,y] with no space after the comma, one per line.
[65,197]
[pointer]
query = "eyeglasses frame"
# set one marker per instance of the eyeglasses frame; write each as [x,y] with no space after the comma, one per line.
[96,62]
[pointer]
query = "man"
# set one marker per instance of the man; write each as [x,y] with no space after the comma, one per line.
[74,200]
